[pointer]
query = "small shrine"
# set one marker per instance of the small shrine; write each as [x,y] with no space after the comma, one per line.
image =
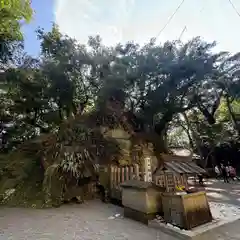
[175,172]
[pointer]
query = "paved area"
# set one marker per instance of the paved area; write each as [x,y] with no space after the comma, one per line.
[97,221]
[224,200]
[218,191]
[89,221]
[230,231]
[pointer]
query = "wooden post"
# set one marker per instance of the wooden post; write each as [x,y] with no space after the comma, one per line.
[109,173]
[131,173]
[186,180]
[127,173]
[123,173]
[115,177]
[111,177]
[147,170]
[165,181]
[137,171]
[174,183]
[118,177]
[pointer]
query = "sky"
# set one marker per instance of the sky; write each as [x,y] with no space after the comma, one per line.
[43,17]
[139,20]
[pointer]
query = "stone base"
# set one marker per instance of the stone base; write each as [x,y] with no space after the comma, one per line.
[216,230]
[138,216]
[116,202]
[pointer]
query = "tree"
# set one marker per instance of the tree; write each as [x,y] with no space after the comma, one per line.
[230,86]
[13,14]
[43,92]
[65,64]
[163,81]
[155,84]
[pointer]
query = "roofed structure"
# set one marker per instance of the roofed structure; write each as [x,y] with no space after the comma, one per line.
[189,168]
[175,171]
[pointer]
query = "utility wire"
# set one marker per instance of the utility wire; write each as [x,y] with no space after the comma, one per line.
[185,27]
[170,19]
[182,32]
[234,8]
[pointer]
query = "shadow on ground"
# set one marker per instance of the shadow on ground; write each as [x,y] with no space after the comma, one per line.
[218,191]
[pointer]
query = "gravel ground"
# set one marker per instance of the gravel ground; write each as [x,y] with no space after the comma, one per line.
[92,220]
[97,221]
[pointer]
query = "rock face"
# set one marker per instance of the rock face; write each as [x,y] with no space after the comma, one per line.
[8,193]
[52,165]
[23,174]
[53,186]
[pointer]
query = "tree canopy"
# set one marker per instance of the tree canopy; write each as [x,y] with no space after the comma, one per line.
[59,106]
[184,93]
[13,14]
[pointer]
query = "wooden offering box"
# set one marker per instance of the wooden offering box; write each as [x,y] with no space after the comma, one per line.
[186,211]
[141,200]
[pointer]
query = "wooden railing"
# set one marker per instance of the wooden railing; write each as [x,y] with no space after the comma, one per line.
[119,175]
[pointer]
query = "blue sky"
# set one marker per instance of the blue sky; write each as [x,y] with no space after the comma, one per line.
[44,16]
[139,20]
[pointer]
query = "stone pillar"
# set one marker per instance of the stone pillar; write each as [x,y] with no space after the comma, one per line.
[148,170]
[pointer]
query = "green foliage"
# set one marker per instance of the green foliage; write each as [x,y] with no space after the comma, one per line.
[183,93]
[155,82]
[12,15]
[223,113]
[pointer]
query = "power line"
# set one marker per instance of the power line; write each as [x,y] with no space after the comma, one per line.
[234,8]
[170,19]
[182,32]
[185,27]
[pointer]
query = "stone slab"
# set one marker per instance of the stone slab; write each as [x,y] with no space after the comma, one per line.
[137,215]
[216,230]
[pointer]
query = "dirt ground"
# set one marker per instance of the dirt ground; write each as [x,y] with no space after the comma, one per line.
[93,220]
[97,221]
[218,191]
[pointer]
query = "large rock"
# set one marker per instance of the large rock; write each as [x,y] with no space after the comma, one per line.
[53,186]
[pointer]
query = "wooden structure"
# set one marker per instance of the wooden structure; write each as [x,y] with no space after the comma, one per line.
[176,158]
[186,211]
[141,200]
[176,173]
[172,174]
[113,176]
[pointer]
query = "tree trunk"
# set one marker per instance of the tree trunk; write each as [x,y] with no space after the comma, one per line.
[159,141]
[161,126]
[190,138]
[159,147]
[232,115]
[188,132]
[208,157]
[194,136]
